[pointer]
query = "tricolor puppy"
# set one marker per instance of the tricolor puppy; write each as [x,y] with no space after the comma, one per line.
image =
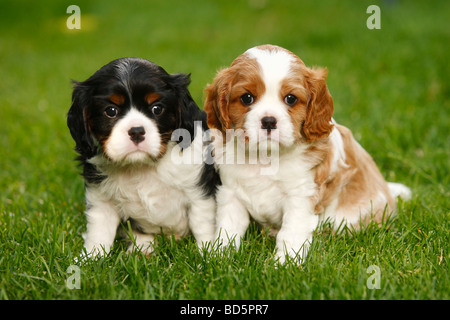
[122,119]
[271,100]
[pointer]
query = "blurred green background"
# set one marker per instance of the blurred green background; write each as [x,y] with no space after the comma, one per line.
[390,86]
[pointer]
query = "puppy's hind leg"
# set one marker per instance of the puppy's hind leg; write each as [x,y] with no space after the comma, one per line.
[140,241]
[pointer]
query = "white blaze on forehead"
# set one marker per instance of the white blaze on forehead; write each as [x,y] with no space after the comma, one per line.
[275,65]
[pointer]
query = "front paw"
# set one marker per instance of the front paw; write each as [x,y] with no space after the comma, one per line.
[91,254]
[145,249]
[223,247]
[291,255]
[280,258]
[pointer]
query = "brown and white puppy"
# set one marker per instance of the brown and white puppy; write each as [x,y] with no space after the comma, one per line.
[269,100]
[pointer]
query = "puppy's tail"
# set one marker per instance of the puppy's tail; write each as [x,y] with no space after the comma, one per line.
[399,190]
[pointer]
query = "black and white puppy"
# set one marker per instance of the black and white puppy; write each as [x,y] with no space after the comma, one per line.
[122,119]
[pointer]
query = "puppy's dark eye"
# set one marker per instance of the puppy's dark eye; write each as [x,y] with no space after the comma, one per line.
[111,112]
[157,110]
[247,99]
[290,100]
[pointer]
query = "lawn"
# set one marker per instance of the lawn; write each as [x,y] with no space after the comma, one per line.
[390,86]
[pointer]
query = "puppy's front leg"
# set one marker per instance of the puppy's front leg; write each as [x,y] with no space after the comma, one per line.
[102,223]
[232,219]
[295,235]
[202,221]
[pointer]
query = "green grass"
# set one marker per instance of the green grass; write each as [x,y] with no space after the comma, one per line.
[390,86]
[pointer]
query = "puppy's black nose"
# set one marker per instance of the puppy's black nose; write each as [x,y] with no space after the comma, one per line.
[137,134]
[268,123]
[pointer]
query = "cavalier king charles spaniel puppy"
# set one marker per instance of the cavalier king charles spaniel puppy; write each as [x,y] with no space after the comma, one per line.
[269,108]
[122,119]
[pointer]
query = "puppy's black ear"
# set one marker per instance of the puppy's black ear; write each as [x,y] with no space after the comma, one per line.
[76,121]
[188,111]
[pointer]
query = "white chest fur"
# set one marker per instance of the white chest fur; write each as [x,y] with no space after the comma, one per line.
[157,196]
[146,197]
[264,195]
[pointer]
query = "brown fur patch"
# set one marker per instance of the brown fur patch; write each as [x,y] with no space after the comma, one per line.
[320,105]
[117,99]
[223,106]
[322,154]
[357,184]
[367,181]
[152,97]
[292,85]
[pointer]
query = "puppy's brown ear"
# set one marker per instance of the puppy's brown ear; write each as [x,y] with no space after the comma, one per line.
[319,109]
[217,101]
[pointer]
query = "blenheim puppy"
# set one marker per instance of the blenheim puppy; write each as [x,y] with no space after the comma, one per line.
[268,99]
[122,119]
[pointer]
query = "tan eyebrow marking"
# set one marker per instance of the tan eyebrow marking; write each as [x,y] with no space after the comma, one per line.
[117,99]
[152,97]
